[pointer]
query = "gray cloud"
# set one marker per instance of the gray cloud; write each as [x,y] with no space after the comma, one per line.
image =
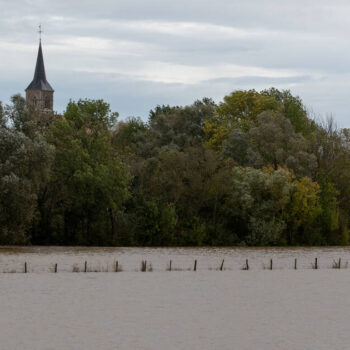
[136,54]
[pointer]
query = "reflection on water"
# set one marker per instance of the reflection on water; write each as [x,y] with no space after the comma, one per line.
[43,259]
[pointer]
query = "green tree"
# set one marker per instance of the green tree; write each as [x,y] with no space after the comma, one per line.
[257,201]
[293,109]
[89,182]
[275,140]
[239,110]
[193,183]
[302,212]
[180,127]
[272,141]
[25,160]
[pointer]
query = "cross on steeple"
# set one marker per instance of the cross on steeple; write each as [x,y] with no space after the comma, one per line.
[40,31]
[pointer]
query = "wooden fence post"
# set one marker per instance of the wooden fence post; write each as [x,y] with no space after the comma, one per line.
[270,264]
[170,265]
[222,265]
[25,267]
[295,264]
[116,266]
[195,266]
[85,270]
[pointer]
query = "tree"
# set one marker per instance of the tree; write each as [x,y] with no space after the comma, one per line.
[277,143]
[180,127]
[25,160]
[272,141]
[293,109]
[191,182]
[133,141]
[329,218]
[253,170]
[302,212]
[89,182]
[239,110]
[3,118]
[257,201]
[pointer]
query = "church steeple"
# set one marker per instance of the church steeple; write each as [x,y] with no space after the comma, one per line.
[39,81]
[39,93]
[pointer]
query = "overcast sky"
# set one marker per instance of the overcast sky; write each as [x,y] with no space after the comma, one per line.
[137,54]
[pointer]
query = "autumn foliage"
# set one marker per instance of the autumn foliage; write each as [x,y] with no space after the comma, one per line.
[254,169]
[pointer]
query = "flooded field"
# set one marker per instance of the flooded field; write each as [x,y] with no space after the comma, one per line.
[43,259]
[208,309]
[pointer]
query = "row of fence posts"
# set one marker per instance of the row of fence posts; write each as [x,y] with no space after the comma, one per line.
[315,265]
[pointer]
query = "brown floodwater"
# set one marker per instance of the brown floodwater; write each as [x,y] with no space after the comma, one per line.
[180,310]
[41,259]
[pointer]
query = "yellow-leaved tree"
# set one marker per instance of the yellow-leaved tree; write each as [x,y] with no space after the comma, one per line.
[239,110]
[302,211]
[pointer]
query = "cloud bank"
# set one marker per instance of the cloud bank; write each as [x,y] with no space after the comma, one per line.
[136,54]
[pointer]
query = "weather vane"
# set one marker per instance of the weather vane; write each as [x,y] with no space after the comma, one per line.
[40,31]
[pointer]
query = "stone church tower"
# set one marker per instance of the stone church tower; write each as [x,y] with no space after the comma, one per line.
[39,93]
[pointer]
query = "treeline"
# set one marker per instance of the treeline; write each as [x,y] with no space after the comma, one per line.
[253,170]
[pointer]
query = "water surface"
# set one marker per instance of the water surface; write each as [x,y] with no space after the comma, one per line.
[43,259]
[233,309]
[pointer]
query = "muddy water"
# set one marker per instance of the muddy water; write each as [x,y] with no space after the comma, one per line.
[206,310]
[43,259]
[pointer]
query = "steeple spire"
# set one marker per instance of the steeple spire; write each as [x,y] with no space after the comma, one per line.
[39,93]
[39,81]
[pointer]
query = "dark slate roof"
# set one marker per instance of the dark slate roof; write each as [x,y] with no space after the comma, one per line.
[39,81]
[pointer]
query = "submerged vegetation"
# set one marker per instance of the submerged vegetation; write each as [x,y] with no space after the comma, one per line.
[253,170]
